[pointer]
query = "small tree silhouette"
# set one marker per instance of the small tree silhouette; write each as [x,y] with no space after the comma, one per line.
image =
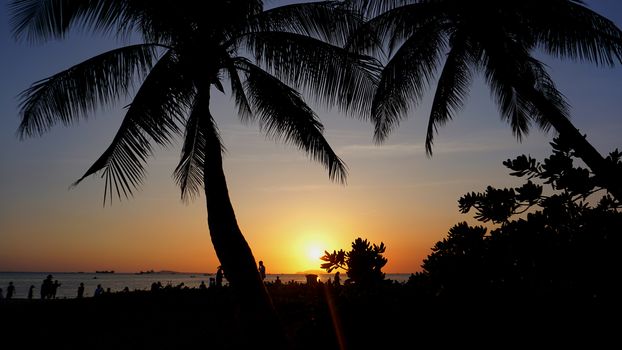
[363,264]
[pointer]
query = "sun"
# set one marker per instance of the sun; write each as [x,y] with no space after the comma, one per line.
[314,252]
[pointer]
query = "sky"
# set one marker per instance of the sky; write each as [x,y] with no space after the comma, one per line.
[287,207]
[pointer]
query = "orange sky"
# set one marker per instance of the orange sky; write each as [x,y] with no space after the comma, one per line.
[285,204]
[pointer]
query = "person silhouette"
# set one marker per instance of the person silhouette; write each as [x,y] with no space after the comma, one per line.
[81,291]
[202,286]
[336,279]
[31,291]
[277,282]
[54,288]
[46,288]
[262,270]
[98,291]
[10,290]
[219,276]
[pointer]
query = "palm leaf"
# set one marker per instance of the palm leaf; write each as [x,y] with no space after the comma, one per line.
[283,115]
[451,90]
[189,172]
[328,73]
[391,27]
[237,90]
[79,90]
[42,20]
[405,78]
[156,110]
[577,32]
[513,75]
[327,21]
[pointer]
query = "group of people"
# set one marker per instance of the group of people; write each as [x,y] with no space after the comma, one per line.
[48,288]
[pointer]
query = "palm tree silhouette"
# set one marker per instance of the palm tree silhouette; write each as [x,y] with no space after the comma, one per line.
[267,56]
[496,39]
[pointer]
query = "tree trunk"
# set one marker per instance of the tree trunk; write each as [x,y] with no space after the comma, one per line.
[258,319]
[232,250]
[606,173]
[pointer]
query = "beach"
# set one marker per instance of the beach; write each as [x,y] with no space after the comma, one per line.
[315,316]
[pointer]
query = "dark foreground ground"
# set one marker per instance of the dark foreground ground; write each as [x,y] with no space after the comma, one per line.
[314,317]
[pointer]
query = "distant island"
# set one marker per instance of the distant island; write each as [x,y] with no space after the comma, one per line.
[105,271]
[152,271]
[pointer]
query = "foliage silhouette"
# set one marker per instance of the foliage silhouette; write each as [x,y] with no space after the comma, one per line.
[460,38]
[186,52]
[363,263]
[565,243]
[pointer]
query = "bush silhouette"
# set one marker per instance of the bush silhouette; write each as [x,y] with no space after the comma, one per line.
[563,243]
[363,263]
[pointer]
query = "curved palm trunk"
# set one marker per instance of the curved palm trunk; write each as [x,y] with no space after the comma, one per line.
[232,250]
[257,314]
[608,176]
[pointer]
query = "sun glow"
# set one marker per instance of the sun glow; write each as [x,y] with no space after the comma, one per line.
[315,252]
[311,247]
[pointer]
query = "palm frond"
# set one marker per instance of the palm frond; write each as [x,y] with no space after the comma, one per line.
[503,78]
[283,115]
[328,73]
[405,78]
[513,76]
[79,90]
[577,32]
[189,172]
[451,90]
[237,90]
[327,21]
[391,28]
[374,8]
[41,20]
[158,107]
[548,100]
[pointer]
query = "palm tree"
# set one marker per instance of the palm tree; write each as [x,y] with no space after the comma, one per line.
[460,38]
[185,50]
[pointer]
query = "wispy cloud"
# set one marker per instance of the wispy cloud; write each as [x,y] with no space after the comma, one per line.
[301,188]
[409,149]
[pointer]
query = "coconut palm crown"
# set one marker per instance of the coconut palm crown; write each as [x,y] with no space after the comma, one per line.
[449,41]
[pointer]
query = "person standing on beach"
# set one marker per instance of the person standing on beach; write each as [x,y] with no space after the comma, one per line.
[219,276]
[262,270]
[99,290]
[31,291]
[81,291]
[54,288]
[46,288]
[10,290]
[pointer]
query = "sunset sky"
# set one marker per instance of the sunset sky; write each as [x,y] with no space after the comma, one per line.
[286,205]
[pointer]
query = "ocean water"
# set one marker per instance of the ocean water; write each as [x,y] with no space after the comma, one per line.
[69,282]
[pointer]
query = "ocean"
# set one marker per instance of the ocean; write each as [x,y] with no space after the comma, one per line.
[69,281]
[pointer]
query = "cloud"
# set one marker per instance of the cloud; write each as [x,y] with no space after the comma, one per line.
[301,188]
[410,149]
